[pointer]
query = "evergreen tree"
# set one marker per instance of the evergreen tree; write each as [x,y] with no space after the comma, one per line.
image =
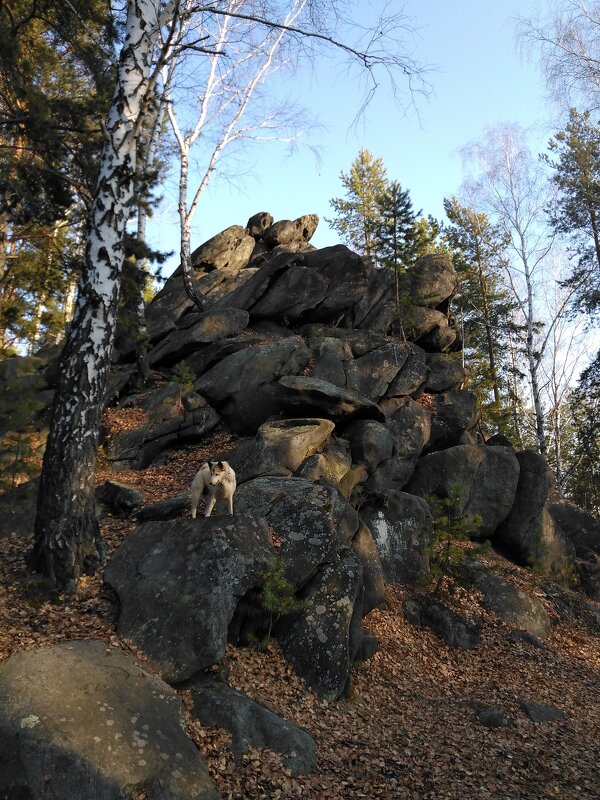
[358,214]
[396,240]
[576,211]
[581,454]
[478,250]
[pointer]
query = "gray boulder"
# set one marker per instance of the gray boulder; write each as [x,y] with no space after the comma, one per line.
[432,280]
[282,446]
[312,521]
[411,377]
[529,533]
[229,250]
[409,423]
[402,528]
[179,583]
[453,414]
[251,724]
[81,720]
[300,395]
[579,526]
[424,611]
[486,478]
[244,387]
[200,329]
[292,295]
[287,231]
[370,443]
[322,643]
[514,607]
[446,371]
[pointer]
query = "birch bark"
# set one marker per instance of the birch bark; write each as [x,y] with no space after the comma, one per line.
[67,539]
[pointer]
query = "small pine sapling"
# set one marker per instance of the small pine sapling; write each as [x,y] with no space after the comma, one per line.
[277,595]
[451,532]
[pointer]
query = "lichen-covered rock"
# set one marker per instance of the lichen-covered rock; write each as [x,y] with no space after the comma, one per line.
[432,280]
[179,583]
[322,642]
[402,528]
[82,720]
[453,413]
[579,526]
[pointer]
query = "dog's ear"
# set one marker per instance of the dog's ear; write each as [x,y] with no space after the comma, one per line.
[220,465]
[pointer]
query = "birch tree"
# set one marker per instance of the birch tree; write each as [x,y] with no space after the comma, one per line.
[512,188]
[67,538]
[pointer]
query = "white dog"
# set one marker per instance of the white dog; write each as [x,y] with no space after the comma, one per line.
[216,480]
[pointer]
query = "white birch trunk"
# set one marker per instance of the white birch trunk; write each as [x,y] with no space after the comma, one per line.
[67,539]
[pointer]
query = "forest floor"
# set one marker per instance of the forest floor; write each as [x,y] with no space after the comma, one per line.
[408,729]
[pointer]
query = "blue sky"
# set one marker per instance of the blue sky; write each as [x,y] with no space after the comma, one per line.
[478,79]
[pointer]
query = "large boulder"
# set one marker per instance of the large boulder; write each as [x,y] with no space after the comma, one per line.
[579,526]
[409,424]
[446,371]
[179,583]
[329,558]
[402,528]
[453,414]
[529,533]
[82,720]
[322,643]
[514,607]
[195,330]
[244,387]
[286,231]
[432,280]
[229,250]
[486,479]
[258,224]
[301,395]
[282,446]
[251,724]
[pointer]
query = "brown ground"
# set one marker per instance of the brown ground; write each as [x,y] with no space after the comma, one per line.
[407,731]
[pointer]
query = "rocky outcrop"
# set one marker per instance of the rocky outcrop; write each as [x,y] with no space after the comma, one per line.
[83,720]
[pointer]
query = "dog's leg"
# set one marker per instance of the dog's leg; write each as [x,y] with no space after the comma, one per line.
[195,501]
[230,503]
[210,504]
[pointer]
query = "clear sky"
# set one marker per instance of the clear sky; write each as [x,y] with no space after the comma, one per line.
[478,79]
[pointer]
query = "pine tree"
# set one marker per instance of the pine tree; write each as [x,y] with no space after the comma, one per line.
[396,240]
[358,214]
[576,211]
[478,250]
